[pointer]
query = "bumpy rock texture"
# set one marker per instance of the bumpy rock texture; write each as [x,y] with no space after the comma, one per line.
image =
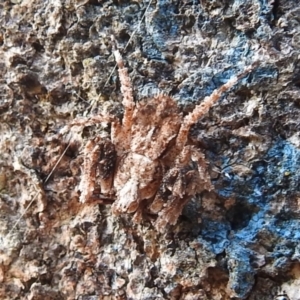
[240,240]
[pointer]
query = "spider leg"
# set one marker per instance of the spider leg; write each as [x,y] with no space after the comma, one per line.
[188,177]
[201,109]
[89,121]
[98,167]
[128,100]
[87,183]
[99,159]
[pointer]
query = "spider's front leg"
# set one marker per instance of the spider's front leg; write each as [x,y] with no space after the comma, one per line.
[121,136]
[201,109]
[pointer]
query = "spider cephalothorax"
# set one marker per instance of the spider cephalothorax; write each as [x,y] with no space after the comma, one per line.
[147,165]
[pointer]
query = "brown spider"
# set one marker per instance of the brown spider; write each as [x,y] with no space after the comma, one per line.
[147,164]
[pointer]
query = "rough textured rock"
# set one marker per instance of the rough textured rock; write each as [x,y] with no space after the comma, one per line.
[240,240]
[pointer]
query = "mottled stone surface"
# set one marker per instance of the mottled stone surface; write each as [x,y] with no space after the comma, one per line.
[239,241]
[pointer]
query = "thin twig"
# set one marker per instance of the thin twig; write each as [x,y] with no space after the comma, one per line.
[37,192]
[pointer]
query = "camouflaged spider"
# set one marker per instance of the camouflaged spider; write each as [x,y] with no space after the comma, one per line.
[147,165]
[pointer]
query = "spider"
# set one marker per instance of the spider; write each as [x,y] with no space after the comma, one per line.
[147,165]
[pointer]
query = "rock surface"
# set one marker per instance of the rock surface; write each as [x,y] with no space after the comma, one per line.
[239,241]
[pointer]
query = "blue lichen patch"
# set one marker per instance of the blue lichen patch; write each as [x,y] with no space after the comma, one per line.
[260,229]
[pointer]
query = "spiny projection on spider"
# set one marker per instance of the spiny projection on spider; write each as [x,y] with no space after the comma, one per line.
[147,165]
